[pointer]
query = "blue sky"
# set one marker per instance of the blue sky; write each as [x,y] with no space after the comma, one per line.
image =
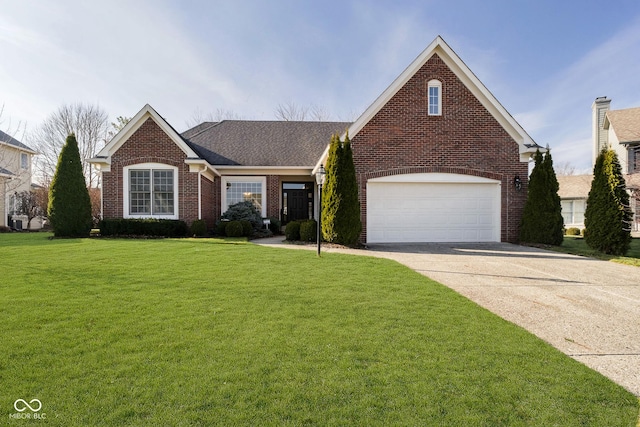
[545,61]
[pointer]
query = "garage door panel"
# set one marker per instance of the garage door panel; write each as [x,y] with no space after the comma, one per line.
[433,212]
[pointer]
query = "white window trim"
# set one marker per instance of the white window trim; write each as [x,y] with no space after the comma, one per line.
[437,84]
[24,165]
[125,190]
[261,179]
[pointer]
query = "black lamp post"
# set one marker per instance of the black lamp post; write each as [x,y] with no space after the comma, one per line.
[320,175]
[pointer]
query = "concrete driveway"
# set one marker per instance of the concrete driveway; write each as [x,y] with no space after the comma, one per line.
[586,308]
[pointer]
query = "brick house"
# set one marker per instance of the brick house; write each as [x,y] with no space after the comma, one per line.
[437,158]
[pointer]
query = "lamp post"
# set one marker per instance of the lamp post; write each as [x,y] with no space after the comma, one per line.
[320,175]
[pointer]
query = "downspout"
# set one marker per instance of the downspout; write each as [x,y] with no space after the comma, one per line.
[200,194]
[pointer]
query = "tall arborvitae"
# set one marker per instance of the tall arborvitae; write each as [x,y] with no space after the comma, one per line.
[607,218]
[331,198]
[542,217]
[348,221]
[69,202]
[530,223]
[553,232]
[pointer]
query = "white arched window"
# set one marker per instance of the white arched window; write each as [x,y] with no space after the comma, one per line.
[434,90]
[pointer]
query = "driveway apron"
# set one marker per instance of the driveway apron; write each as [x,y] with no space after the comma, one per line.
[588,309]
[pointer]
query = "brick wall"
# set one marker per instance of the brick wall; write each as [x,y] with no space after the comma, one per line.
[209,212]
[402,138]
[273,196]
[149,144]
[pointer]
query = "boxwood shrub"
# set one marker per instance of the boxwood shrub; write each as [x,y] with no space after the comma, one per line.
[247,228]
[292,231]
[199,228]
[308,230]
[573,231]
[234,229]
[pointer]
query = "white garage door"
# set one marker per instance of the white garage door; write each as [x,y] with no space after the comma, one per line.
[433,208]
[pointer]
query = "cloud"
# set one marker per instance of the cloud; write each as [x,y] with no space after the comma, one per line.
[561,116]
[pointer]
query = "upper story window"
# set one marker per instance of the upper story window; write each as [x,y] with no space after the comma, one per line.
[151,191]
[434,89]
[24,161]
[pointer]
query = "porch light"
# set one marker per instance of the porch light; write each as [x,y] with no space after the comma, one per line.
[320,176]
[517,182]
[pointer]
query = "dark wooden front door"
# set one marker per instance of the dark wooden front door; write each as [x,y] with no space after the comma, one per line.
[297,201]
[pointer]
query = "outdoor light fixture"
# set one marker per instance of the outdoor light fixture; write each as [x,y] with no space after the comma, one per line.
[320,176]
[517,182]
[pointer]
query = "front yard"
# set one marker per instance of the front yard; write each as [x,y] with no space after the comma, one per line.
[205,332]
[576,245]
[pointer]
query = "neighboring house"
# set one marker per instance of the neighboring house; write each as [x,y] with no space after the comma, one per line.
[15,177]
[620,130]
[573,192]
[436,155]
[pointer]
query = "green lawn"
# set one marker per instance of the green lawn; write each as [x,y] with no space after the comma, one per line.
[577,246]
[203,332]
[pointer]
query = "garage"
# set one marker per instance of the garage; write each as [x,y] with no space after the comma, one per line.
[433,207]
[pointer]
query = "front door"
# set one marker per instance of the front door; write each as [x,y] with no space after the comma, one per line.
[297,201]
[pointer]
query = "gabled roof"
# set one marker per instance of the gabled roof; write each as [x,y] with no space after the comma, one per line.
[9,140]
[262,143]
[134,124]
[625,124]
[477,88]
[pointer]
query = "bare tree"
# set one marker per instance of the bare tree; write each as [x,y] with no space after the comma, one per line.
[296,113]
[31,204]
[564,169]
[90,123]
[117,126]
[219,115]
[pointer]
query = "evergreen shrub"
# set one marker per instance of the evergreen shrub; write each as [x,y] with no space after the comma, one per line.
[244,211]
[199,228]
[247,228]
[69,209]
[234,229]
[572,231]
[143,227]
[292,231]
[220,227]
[308,230]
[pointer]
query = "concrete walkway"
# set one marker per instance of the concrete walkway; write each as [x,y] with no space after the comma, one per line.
[586,308]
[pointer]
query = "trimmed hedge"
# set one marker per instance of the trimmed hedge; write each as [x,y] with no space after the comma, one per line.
[143,227]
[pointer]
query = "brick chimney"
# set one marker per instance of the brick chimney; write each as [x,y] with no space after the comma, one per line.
[599,135]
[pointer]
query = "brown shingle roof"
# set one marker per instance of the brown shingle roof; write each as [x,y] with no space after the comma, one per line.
[626,124]
[262,143]
[574,186]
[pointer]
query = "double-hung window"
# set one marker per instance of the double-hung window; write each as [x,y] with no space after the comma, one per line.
[434,92]
[151,190]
